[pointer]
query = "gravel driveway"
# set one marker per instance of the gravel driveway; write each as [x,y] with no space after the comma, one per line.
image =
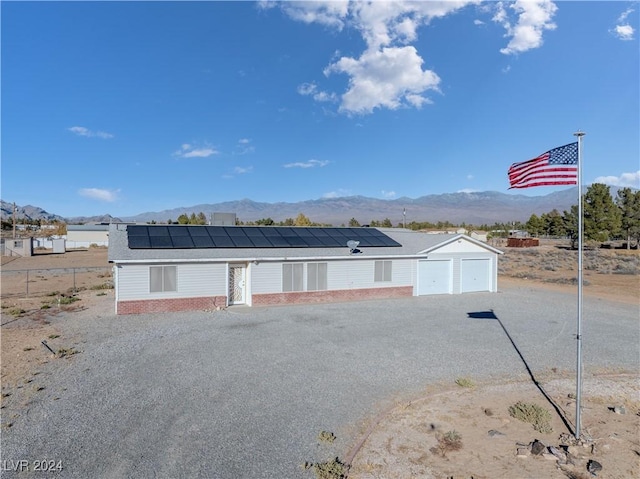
[244,393]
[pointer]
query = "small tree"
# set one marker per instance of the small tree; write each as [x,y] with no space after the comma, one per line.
[629,203]
[570,219]
[535,225]
[602,218]
[353,223]
[302,220]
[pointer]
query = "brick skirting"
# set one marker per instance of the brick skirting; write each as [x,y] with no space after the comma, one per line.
[300,297]
[170,304]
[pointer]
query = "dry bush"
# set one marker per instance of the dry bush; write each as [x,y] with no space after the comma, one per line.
[536,415]
[447,442]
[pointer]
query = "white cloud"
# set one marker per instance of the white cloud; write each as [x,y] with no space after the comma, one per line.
[311,89]
[330,13]
[389,78]
[244,147]
[388,74]
[241,170]
[307,164]
[189,151]
[631,180]
[99,194]
[467,190]
[534,17]
[623,30]
[82,131]
[469,177]
[478,22]
[388,194]
[340,193]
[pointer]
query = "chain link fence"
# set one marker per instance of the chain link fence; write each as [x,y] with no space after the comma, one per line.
[24,283]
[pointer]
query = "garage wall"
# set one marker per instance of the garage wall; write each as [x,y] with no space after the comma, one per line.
[457,258]
[193,280]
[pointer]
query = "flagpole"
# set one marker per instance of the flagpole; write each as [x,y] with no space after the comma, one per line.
[579,134]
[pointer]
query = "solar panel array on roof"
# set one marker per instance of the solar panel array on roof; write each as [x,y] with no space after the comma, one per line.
[189,237]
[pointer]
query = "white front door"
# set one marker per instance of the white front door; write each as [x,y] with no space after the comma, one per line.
[237,283]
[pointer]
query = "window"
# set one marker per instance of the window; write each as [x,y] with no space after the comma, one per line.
[162,279]
[382,271]
[292,277]
[316,276]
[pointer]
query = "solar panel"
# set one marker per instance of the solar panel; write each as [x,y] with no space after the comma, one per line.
[203,242]
[139,242]
[161,242]
[190,236]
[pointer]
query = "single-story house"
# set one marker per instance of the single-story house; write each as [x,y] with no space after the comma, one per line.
[187,267]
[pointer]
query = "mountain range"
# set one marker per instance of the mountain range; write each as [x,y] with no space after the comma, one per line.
[476,208]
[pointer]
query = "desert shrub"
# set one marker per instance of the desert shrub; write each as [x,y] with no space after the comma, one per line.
[535,415]
[107,285]
[447,442]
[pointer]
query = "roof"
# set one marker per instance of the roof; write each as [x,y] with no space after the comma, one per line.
[89,227]
[409,244]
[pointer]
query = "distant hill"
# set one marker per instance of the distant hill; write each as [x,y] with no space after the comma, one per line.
[28,212]
[487,207]
[471,208]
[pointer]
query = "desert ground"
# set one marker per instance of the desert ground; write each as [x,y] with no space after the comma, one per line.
[460,430]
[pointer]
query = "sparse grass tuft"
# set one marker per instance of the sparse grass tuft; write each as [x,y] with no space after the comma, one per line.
[63,352]
[54,336]
[465,383]
[334,469]
[535,415]
[16,312]
[68,299]
[326,436]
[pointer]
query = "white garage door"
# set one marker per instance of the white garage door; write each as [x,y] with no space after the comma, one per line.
[434,277]
[476,275]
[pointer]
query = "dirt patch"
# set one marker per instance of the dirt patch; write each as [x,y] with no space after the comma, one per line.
[408,440]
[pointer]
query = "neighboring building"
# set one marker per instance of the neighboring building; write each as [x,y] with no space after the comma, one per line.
[16,247]
[83,236]
[480,236]
[182,267]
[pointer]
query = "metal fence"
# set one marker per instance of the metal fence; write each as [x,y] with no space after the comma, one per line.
[52,281]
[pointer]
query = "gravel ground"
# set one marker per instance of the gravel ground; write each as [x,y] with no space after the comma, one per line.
[244,393]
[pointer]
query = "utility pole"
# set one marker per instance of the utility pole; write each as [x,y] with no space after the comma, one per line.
[14,220]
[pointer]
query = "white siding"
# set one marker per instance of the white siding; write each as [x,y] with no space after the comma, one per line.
[266,278]
[345,274]
[356,274]
[193,280]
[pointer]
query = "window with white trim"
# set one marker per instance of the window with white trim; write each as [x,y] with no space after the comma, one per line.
[316,276]
[382,271]
[292,277]
[162,279]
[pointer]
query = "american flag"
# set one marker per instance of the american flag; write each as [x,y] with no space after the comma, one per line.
[558,166]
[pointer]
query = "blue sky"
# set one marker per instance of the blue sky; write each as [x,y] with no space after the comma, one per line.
[123,107]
